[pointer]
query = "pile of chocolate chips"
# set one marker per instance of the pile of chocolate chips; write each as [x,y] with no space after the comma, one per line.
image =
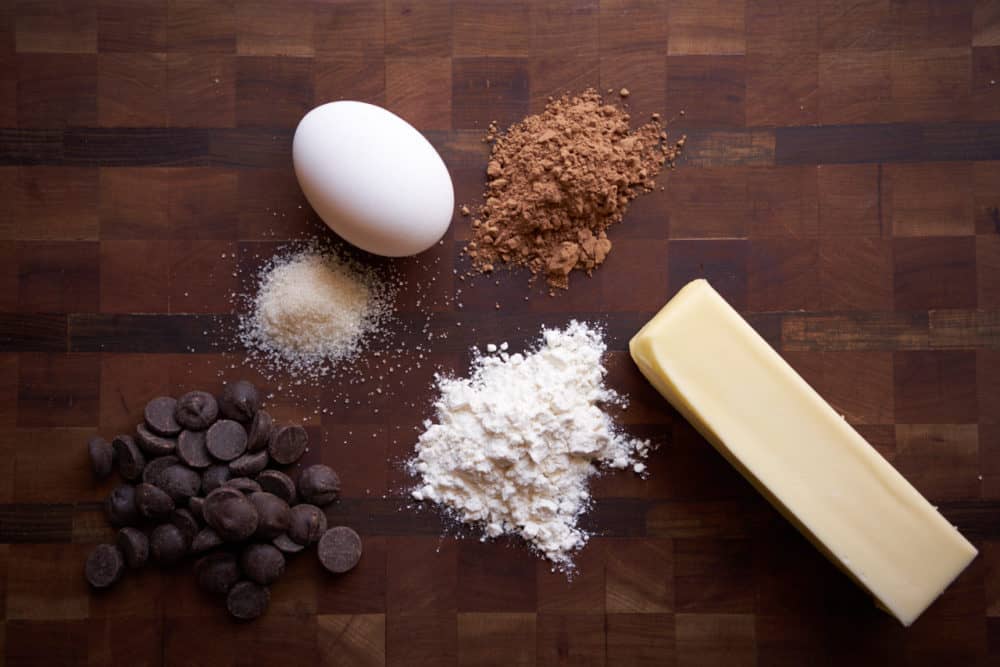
[202,478]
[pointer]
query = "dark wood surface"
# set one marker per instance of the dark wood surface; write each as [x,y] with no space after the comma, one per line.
[840,188]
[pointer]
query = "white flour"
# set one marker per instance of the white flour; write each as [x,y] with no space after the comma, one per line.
[514,444]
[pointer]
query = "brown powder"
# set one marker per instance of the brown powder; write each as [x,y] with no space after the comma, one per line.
[557,180]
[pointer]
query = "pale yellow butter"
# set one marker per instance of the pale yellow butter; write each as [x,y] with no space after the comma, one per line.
[804,457]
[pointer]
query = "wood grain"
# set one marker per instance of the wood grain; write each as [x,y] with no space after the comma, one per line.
[839,188]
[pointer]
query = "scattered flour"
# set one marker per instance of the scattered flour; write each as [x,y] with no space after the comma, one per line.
[314,309]
[514,444]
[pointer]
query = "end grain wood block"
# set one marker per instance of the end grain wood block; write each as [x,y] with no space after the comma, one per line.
[56,89]
[127,380]
[421,575]
[418,29]
[782,274]
[339,77]
[933,23]
[930,84]
[935,387]
[296,595]
[270,202]
[986,24]
[362,592]
[31,642]
[865,26]
[940,460]
[934,273]
[134,276]
[929,199]
[55,203]
[419,90]
[9,192]
[203,636]
[854,87]
[707,28]
[358,454]
[58,389]
[495,28]
[784,202]
[985,102]
[496,638]
[774,27]
[714,576]
[132,90]
[488,89]
[640,576]
[849,200]
[56,26]
[494,577]
[635,276]
[789,573]
[988,382]
[346,640]
[782,89]
[44,583]
[644,75]
[629,27]
[121,641]
[58,469]
[715,639]
[132,26]
[987,204]
[989,468]
[8,88]
[858,384]
[570,639]
[273,91]
[201,26]
[350,29]
[566,29]
[8,411]
[201,90]
[267,29]
[424,639]
[133,203]
[552,76]
[640,639]
[711,90]
[585,593]
[708,203]
[273,639]
[58,276]
[722,262]
[202,203]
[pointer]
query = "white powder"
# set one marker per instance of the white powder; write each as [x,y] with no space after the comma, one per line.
[514,444]
[314,309]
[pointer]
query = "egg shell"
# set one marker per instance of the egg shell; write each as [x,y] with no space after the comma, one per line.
[373,178]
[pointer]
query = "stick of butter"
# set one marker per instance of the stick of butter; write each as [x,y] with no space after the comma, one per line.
[804,457]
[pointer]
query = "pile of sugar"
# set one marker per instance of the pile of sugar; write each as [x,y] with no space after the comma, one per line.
[514,444]
[313,310]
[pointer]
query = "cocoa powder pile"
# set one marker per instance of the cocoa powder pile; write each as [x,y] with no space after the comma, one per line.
[557,180]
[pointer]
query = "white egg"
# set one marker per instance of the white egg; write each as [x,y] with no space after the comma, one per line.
[373,178]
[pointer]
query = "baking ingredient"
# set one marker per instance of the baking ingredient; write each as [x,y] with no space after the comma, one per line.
[339,549]
[804,457]
[557,180]
[514,444]
[373,178]
[313,310]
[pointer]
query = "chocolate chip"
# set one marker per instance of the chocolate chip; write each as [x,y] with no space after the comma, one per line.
[306,524]
[121,507]
[153,445]
[192,449]
[214,477]
[197,410]
[260,431]
[319,485]
[167,544]
[287,444]
[249,464]
[151,473]
[244,484]
[239,401]
[231,514]
[160,416]
[286,544]
[153,502]
[130,459]
[183,519]
[226,439]
[196,505]
[339,549]
[247,600]
[278,483]
[217,572]
[262,563]
[205,539]
[180,482]
[273,514]
[105,566]
[102,456]
[134,546]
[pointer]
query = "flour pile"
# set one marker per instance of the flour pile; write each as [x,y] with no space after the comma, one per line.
[515,443]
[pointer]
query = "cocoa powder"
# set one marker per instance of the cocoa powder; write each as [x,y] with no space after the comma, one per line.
[557,180]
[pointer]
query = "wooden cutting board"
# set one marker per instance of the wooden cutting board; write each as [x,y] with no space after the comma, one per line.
[840,189]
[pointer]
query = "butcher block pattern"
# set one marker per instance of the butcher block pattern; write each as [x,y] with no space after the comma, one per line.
[840,188]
